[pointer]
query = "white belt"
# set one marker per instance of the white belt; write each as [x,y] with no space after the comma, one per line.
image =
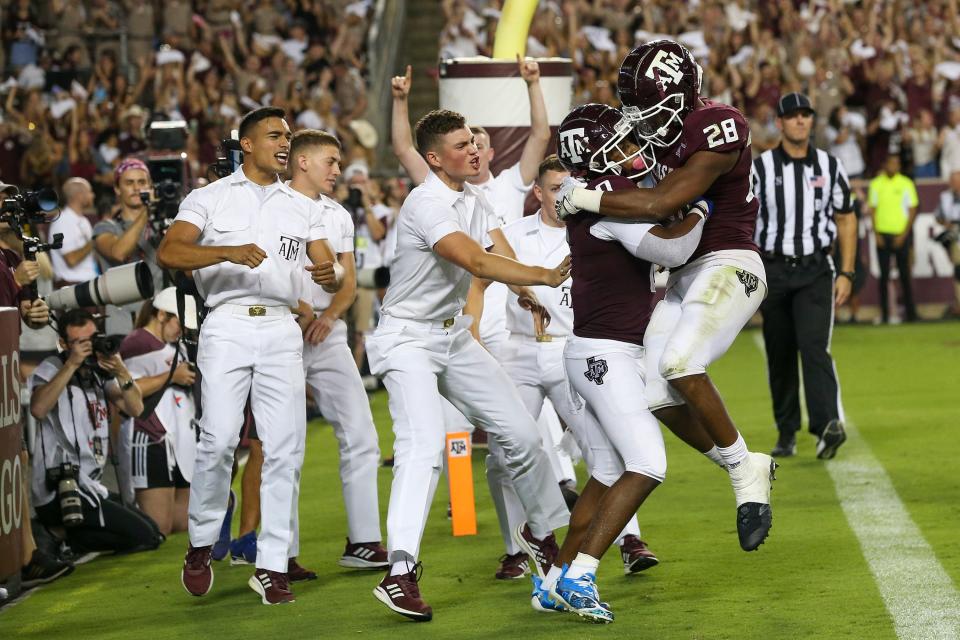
[545,338]
[254,310]
[443,325]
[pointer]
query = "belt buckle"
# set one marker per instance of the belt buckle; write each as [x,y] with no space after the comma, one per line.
[257,310]
[545,338]
[448,323]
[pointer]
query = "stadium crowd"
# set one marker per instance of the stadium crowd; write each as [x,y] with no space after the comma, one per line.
[86,77]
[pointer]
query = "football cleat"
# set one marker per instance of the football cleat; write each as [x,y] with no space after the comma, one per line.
[401,594]
[364,555]
[636,555]
[272,586]
[541,552]
[752,482]
[243,550]
[513,567]
[830,440]
[197,574]
[541,599]
[580,596]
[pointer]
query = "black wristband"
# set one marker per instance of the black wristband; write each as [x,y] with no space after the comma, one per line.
[848,274]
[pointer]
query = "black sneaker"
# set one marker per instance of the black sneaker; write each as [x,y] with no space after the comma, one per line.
[831,438]
[42,569]
[786,445]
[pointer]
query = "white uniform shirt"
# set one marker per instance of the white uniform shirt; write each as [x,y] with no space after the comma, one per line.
[506,194]
[339,227]
[77,231]
[424,286]
[542,245]
[235,211]
[369,252]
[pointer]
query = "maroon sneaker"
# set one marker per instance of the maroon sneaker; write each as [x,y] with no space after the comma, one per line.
[513,567]
[273,586]
[364,555]
[542,552]
[636,556]
[197,574]
[296,573]
[402,594]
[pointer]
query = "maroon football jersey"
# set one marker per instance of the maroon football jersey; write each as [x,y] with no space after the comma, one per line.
[722,129]
[612,295]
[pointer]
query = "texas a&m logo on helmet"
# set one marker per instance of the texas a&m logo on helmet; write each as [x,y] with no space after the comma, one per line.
[597,139]
[659,84]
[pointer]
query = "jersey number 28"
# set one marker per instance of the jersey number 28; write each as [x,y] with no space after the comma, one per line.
[718,134]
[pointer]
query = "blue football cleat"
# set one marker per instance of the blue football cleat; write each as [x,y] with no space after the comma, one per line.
[222,546]
[243,550]
[541,600]
[580,596]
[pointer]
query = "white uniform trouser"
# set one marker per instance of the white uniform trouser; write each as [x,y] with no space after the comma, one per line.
[538,371]
[332,376]
[608,375]
[419,363]
[260,357]
[699,318]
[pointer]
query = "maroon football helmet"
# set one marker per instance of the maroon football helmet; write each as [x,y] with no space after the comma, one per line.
[597,139]
[659,84]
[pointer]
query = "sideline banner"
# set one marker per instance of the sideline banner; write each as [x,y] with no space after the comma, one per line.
[11,472]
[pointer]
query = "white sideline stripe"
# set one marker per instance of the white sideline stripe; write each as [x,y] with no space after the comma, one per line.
[916,590]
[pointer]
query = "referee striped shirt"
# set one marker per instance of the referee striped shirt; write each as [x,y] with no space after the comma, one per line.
[798,200]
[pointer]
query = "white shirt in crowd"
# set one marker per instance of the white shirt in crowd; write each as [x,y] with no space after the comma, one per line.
[339,228]
[848,152]
[369,252]
[949,210]
[950,152]
[506,194]
[424,286]
[236,211]
[77,231]
[78,422]
[537,243]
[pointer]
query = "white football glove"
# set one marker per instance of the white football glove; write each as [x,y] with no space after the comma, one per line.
[702,206]
[564,206]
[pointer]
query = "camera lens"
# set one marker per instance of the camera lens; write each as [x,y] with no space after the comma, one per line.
[71,510]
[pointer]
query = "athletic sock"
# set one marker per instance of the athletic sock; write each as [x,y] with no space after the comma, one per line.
[582,564]
[734,454]
[551,578]
[401,567]
[715,457]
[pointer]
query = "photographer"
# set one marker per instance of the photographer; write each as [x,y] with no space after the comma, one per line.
[127,236]
[15,275]
[948,214]
[69,396]
[164,442]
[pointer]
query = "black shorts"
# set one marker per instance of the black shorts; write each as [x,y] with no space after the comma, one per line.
[150,469]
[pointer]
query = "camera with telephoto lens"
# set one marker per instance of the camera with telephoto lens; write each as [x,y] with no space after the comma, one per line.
[91,373]
[63,480]
[28,206]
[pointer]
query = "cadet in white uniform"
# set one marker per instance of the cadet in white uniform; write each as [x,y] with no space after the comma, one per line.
[423,350]
[329,367]
[247,237]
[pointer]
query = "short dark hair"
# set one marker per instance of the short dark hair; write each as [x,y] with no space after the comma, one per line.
[435,124]
[251,119]
[72,318]
[309,138]
[550,163]
[479,130]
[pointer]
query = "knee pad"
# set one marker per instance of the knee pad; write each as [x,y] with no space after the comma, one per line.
[653,465]
[678,361]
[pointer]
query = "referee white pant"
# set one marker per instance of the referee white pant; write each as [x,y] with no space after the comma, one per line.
[332,376]
[420,362]
[240,355]
[537,368]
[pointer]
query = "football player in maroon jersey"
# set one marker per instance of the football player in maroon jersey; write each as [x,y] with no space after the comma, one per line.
[702,149]
[612,299]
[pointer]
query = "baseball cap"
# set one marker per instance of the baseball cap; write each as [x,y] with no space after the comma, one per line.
[793,102]
[166,300]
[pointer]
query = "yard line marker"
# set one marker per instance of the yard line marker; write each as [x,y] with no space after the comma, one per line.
[916,590]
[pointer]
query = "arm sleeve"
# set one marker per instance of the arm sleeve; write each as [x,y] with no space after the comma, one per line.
[318,226]
[669,252]
[433,222]
[629,234]
[193,210]
[107,226]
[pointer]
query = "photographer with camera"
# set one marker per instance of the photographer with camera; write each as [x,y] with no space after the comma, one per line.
[69,397]
[127,236]
[16,274]
[164,440]
[948,214]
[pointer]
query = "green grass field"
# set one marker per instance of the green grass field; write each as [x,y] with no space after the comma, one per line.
[901,388]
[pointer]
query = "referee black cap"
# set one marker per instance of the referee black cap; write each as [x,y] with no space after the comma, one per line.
[794,102]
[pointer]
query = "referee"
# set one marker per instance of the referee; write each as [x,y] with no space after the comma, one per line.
[805,206]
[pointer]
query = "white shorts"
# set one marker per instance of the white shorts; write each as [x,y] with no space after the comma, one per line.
[708,302]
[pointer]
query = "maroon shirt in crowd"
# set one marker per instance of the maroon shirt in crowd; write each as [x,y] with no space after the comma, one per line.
[139,342]
[611,294]
[719,128]
[11,295]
